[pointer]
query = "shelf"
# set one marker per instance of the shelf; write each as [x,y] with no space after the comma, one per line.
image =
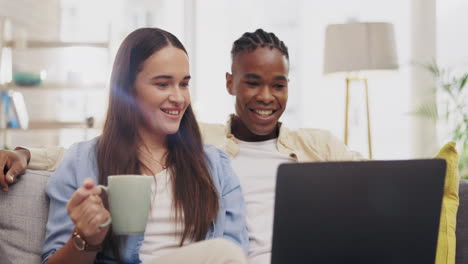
[56,86]
[58,44]
[54,125]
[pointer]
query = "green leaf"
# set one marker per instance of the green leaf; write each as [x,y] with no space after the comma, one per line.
[459,133]
[456,136]
[463,82]
[463,161]
[447,111]
[447,87]
[427,110]
[433,69]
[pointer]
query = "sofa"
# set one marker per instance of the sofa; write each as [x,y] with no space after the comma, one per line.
[24,209]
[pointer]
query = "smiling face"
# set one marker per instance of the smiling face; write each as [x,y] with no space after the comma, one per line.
[162,90]
[259,80]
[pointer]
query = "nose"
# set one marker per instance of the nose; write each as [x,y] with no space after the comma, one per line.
[264,95]
[176,96]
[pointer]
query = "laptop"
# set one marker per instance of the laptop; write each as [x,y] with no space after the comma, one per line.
[358,212]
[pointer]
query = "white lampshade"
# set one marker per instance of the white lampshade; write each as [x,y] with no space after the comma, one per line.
[359,47]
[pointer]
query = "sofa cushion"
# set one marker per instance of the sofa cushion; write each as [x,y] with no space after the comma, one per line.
[448,215]
[462,224]
[24,211]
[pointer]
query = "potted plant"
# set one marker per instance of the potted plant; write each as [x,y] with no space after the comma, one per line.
[451,108]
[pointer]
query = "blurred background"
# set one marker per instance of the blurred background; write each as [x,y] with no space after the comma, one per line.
[58,55]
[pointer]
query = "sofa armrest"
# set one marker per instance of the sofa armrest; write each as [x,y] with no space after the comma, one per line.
[23,217]
[462,224]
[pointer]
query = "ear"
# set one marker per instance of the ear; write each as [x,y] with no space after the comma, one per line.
[229,87]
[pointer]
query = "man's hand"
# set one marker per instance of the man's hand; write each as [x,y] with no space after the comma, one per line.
[12,164]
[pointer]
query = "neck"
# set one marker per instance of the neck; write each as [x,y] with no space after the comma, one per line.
[152,141]
[241,132]
[152,150]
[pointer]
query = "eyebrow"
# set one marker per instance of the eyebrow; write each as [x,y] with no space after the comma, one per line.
[169,77]
[258,77]
[161,77]
[252,76]
[280,78]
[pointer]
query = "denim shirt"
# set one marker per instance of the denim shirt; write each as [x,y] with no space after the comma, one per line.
[80,162]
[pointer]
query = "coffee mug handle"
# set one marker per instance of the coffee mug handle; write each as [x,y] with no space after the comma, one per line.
[109,220]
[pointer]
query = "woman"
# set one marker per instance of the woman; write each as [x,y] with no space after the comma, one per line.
[150,129]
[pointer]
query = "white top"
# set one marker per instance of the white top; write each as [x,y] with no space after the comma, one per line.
[256,166]
[162,235]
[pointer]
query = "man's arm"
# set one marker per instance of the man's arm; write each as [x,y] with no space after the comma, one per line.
[45,158]
[14,163]
[339,151]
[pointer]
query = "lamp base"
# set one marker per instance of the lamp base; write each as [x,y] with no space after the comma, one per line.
[346,132]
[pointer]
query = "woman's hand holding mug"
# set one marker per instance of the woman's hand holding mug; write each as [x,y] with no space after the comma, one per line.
[87,211]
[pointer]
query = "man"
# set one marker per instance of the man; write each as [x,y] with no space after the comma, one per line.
[253,137]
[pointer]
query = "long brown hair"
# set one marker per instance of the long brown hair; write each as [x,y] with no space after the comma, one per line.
[195,197]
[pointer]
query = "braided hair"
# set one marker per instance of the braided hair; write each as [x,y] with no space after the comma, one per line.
[250,41]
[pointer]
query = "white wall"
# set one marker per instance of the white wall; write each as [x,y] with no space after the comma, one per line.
[452,33]
[423,49]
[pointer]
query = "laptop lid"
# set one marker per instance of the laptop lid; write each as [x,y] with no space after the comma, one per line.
[358,212]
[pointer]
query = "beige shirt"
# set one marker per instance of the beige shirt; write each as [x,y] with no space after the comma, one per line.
[302,145]
[45,158]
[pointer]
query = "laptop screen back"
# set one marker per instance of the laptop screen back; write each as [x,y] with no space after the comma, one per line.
[358,212]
